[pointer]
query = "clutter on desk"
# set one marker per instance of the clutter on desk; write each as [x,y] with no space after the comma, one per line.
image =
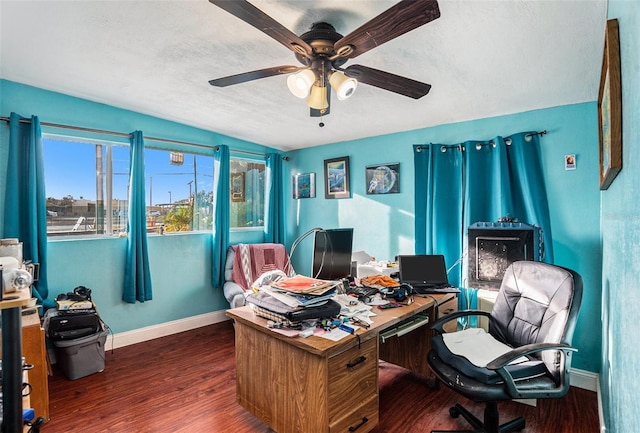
[291,300]
[368,265]
[302,303]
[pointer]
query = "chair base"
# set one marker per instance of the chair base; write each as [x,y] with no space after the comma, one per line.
[490,424]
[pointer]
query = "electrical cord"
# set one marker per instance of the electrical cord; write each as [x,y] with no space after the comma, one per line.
[303,236]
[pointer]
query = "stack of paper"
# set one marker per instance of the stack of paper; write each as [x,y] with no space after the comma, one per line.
[301,291]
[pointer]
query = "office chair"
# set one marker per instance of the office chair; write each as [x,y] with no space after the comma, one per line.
[534,317]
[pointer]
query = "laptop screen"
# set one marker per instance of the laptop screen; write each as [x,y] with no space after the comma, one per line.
[423,270]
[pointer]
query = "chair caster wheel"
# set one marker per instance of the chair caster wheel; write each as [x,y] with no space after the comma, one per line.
[454,412]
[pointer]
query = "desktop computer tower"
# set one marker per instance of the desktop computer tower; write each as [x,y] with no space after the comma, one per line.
[493,246]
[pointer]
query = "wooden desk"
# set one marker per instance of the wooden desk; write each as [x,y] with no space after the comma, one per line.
[315,385]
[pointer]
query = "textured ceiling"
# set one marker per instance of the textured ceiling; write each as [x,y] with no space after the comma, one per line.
[483,59]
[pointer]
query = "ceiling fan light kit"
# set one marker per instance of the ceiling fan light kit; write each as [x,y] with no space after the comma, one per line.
[322,52]
[300,84]
[318,98]
[343,85]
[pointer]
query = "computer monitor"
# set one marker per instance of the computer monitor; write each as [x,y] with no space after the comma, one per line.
[332,254]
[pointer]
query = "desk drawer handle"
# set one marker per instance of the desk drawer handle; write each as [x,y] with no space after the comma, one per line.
[357,361]
[364,421]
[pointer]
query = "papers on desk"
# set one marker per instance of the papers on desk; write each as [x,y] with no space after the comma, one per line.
[376,268]
[352,308]
[337,334]
[301,291]
[298,300]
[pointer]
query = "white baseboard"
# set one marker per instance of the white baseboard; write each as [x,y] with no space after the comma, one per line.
[141,335]
[584,379]
[603,426]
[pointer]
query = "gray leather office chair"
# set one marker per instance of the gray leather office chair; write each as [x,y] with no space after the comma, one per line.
[534,314]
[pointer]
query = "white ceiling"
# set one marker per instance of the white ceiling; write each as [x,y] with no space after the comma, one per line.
[483,59]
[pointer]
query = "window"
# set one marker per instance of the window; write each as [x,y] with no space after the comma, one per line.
[247,193]
[87,185]
[179,190]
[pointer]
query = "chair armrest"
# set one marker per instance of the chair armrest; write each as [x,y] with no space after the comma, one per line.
[528,349]
[231,290]
[438,325]
[500,363]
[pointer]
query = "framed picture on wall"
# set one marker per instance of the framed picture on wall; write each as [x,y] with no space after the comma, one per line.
[610,108]
[336,178]
[237,186]
[383,178]
[304,185]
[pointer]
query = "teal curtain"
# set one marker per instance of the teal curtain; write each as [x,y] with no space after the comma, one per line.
[25,206]
[221,200]
[137,284]
[458,185]
[274,218]
[468,300]
[439,199]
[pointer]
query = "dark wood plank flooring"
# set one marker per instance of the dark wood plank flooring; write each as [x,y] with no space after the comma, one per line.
[186,383]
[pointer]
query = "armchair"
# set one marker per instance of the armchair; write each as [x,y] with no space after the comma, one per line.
[527,352]
[246,262]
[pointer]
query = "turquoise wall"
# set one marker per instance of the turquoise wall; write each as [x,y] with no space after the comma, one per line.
[384,224]
[181,282]
[620,216]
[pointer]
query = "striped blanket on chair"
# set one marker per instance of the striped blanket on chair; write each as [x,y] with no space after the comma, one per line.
[252,260]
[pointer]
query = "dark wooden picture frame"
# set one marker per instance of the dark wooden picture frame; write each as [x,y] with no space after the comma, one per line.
[383,178]
[610,108]
[237,187]
[304,185]
[336,178]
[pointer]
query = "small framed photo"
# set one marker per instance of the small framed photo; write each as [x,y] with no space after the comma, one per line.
[336,178]
[304,185]
[237,187]
[570,162]
[383,178]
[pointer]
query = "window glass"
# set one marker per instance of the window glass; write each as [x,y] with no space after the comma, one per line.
[87,188]
[247,193]
[179,191]
[83,196]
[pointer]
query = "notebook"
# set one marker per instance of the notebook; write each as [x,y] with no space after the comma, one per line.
[427,274]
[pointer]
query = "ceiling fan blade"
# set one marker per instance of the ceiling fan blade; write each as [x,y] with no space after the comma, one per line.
[388,81]
[263,22]
[395,21]
[253,75]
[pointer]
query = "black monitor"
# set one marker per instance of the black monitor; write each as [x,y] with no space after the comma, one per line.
[332,254]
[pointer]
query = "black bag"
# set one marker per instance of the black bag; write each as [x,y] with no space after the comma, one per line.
[70,324]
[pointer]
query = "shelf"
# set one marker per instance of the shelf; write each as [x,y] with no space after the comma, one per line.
[16,299]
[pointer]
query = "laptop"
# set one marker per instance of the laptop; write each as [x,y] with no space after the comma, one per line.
[427,274]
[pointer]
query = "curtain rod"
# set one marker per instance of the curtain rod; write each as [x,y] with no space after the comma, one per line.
[444,147]
[123,134]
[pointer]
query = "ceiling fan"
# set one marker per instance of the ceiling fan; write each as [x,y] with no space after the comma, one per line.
[322,51]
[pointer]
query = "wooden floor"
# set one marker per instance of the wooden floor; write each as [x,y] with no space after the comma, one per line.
[186,383]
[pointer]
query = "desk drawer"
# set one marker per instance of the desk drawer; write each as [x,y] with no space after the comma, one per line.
[449,307]
[353,378]
[362,419]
